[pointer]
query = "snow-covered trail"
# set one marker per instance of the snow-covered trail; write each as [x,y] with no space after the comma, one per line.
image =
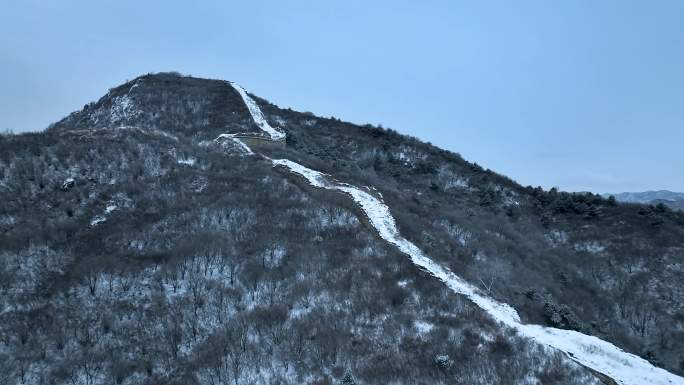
[590,351]
[257,115]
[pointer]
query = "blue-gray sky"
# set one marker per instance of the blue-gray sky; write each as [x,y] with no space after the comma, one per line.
[583,94]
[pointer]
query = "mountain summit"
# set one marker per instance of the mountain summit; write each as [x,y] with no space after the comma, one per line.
[179,105]
[181,230]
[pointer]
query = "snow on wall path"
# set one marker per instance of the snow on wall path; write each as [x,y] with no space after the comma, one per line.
[257,115]
[590,351]
[237,141]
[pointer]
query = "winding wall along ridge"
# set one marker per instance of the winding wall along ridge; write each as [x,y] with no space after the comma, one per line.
[599,355]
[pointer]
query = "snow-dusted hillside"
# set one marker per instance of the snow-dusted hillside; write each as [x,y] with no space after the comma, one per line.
[180,230]
[602,356]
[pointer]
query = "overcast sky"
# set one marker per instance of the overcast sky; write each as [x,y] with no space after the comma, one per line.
[582,95]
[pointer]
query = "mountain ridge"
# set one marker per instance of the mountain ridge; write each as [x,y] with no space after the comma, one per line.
[671,199]
[622,368]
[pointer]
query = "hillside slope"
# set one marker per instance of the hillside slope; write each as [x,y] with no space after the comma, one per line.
[589,351]
[163,229]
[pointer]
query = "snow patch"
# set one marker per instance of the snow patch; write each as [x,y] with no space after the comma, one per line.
[593,247]
[110,208]
[239,143]
[461,235]
[118,201]
[280,121]
[423,327]
[187,161]
[7,220]
[136,84]
[409,155]
[510,198]
[97,220]
[557,237]
[68,183]
[122,108]
[451,179]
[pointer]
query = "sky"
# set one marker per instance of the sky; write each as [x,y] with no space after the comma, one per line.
[582,95]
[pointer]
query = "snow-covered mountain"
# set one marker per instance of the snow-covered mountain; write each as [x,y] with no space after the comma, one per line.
[648,196]
[673,200]
[182,230]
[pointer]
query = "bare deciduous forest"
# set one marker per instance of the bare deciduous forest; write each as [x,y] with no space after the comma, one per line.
[136,250]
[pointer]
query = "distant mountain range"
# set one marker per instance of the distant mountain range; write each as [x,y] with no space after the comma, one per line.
[674,200]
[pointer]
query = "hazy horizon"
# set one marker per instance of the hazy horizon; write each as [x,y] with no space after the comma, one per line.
[582,96]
